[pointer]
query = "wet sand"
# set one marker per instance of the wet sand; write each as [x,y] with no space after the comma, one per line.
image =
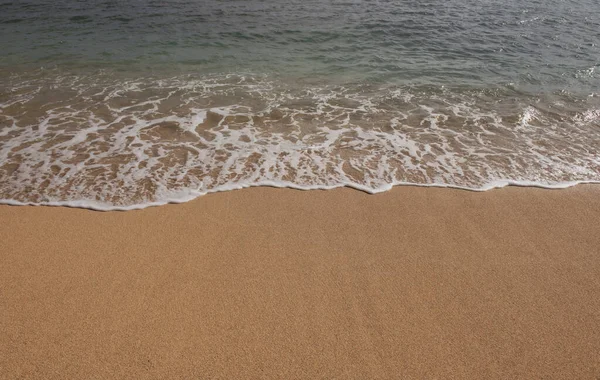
[277,283]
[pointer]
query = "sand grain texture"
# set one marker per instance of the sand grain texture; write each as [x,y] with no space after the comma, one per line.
[274,283]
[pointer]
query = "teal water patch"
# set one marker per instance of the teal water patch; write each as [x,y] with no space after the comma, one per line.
[536,46]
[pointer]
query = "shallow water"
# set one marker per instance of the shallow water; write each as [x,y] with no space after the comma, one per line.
[108,106]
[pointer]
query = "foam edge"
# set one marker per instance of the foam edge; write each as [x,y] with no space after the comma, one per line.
[193,194]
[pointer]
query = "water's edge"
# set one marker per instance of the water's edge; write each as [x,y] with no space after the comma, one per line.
[191,195]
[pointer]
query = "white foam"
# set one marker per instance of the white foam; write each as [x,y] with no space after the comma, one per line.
[108,145]
[191,195]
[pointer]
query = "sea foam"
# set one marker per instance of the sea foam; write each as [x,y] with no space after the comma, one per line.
[108,144]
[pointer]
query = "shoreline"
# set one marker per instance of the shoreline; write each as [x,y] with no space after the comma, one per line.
[193,194]
[280,283]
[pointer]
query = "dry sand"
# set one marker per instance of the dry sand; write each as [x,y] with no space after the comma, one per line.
[273,283]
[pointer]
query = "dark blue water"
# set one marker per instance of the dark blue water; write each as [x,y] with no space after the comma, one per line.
[131,102]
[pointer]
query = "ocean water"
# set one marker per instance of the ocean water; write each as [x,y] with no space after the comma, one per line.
[124,104]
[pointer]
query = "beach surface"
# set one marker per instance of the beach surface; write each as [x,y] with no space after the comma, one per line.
[280,283]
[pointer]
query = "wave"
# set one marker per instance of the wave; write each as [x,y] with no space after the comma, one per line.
[109,143]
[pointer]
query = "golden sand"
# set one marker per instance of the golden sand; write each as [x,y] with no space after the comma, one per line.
[273,283]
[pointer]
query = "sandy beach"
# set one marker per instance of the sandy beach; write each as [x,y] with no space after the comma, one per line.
[278,283]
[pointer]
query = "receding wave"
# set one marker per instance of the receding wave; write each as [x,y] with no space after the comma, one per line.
[110,143]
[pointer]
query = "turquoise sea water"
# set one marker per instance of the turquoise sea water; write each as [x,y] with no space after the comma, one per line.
[123,104]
